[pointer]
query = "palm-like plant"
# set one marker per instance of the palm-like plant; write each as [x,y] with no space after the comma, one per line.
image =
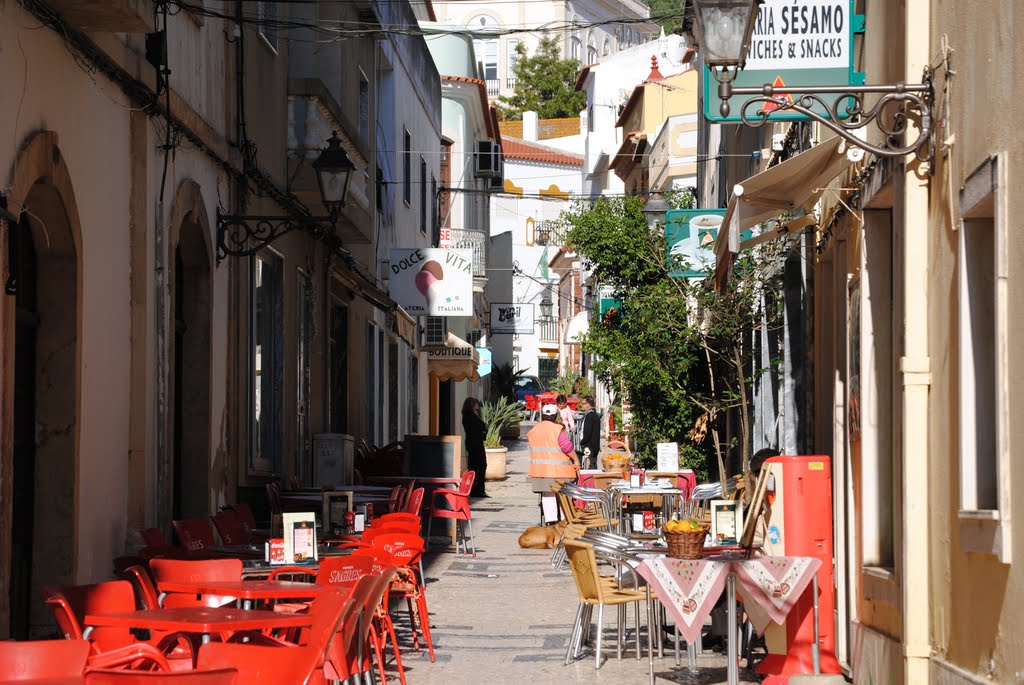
[497,416]
[571,383]
[503,381]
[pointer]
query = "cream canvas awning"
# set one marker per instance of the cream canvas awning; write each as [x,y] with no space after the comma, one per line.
[457,360]
[792,185]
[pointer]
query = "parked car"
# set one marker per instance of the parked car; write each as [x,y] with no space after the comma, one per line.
[528,385]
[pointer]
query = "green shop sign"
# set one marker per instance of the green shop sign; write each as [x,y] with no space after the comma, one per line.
[805,43]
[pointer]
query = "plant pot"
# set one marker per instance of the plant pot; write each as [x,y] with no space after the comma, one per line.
[497,463]
[510,432]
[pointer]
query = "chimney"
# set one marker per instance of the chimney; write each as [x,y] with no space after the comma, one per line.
[530,126]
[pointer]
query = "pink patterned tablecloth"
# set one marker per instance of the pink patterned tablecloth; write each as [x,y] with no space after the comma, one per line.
[769,587]
[687,588]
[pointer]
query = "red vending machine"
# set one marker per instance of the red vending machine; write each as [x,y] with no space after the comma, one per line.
[799,492]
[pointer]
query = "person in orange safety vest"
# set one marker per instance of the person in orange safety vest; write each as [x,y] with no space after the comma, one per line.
[551,457]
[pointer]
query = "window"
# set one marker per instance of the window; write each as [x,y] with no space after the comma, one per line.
[486,50]
[412,386]
[983,356]
[338,371]
[424,204]
[592,49]
[512,59]
[393,387]
[364,107]
[407,168]
[266,330]
[304,318]
[266,17]
[435,232]
[547,370]
[575,43]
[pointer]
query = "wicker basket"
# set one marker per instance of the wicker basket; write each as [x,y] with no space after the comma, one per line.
[685,544]
[614,463]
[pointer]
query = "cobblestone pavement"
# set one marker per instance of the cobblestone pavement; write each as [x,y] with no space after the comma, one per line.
[505,616]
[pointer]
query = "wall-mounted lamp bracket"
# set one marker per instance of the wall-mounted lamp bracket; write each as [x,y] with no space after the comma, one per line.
[844,109]
[241,236]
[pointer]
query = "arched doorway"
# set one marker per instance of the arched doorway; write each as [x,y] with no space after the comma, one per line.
[190,373]
[44,464]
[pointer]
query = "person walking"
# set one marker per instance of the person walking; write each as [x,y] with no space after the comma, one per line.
[476,430]
[551,457]
[588,433]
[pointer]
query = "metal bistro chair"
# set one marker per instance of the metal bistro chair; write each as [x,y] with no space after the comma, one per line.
[598,514]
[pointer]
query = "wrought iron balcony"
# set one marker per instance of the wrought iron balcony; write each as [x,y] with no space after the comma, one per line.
[550,232]
[468,239]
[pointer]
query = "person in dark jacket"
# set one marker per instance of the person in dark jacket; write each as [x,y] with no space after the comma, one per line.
[476,430]
[588,433]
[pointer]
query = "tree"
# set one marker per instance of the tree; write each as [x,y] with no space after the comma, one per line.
[666,14]
[681,351]
[545,84]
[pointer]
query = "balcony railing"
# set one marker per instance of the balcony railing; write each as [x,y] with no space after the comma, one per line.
[550,232]
[493,86]
[548,331]
[468,239]
[510,82]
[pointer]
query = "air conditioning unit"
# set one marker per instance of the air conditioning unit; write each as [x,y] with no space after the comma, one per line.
[485,162]
[435,331]
[497,181]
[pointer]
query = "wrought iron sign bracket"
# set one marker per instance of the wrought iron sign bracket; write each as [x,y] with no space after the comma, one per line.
[845,113]
[242,236]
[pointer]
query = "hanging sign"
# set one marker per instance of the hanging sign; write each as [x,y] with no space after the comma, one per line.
[690,236]
[512,317]
[794,44]
[432,281]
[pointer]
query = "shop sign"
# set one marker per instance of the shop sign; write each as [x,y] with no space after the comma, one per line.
[690,241]
[794,44]
[512,317]
[485,365]
[432,281]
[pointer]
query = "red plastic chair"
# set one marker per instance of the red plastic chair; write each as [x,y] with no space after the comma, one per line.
[454,504]
[404,551]
[109,647]
[194,535]
[397,517]
[192,570]
[415,502]
[265,665]
[40,661]
[222,676]
[229,527]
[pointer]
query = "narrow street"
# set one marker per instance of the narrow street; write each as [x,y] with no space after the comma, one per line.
[505,617]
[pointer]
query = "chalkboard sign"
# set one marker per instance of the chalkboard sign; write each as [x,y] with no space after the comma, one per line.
[434,456]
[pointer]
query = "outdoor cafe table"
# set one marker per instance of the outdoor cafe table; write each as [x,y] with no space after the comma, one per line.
[621,490]
[246,590]
[202,620]
[689,589]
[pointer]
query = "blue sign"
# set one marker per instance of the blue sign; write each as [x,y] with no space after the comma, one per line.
[774,535]
[484,366]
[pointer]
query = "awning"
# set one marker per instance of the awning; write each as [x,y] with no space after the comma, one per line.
[793,185]
[578,325]
[457,360]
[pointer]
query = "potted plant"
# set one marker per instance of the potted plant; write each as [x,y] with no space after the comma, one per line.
[498,416]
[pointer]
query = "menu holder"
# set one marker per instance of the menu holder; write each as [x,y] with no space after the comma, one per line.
[299,536]
[726,521]
[336,504]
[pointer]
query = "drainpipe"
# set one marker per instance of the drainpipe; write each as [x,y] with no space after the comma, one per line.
[915,367]
[160,357]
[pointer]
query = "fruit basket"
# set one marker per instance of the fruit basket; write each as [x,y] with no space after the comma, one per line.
[614,463]
[686,544]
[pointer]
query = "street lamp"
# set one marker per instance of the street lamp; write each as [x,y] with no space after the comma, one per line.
[241,235]
[654,211]
[723,29]
[545,306]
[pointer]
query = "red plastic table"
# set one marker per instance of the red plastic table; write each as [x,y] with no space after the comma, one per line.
[201,620]
[247,590]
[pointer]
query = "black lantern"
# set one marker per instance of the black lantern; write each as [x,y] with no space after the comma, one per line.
[545,306]
[333,174]
[243,235]
[723,29]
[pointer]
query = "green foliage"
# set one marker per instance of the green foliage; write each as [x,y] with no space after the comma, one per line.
[666,14]
[571,383]
[503,382]
[545,83]
[680,351]
[497,416]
